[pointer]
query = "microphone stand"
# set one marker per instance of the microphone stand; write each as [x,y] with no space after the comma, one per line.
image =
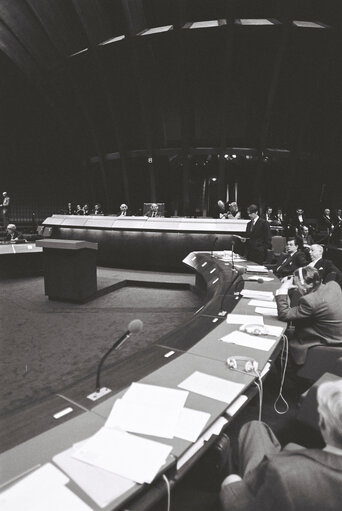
[233,244]
[117,344]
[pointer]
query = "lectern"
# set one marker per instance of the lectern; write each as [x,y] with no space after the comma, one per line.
[69,269]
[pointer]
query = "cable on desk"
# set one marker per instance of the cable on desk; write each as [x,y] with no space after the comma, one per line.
[284,356]
[167,482]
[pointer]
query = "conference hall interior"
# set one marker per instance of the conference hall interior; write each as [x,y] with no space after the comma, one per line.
[170,254]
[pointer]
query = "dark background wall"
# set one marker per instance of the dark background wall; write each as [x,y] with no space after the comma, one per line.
[157,117]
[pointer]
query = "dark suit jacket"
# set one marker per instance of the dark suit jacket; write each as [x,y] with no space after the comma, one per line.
[328,271]
[259,240]
[287,264]
[301,480]
[317,318]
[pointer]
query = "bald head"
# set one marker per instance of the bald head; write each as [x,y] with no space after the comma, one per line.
[316,252]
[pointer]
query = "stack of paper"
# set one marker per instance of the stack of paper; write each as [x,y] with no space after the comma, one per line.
[263,303]
[212,386]
[249,341]
[258,269]
[129,456]
[244,319]
[157,411]
[258,295]
[101,486]
[267,312]
[41,490]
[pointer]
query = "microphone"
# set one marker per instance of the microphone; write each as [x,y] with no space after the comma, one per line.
[233,244]
[134,327]
[212,249]
[260,280]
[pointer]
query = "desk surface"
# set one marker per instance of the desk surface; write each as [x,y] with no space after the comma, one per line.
[207,355]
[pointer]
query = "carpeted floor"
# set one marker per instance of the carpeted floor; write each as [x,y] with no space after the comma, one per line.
[47,346]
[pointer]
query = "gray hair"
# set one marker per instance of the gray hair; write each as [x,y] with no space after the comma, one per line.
[329,397]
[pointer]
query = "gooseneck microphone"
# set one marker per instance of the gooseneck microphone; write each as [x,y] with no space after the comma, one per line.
[233,245]
[134,327]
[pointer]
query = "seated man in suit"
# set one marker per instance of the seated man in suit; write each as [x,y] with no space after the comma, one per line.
[290,261]
[233,211]
[12,234]
[297,480]
[317,316]
[153,211]
[327,270]
[258,231]
[326,222]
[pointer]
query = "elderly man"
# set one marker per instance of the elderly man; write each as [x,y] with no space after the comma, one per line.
[12,234]
[124,210]
[327,270]
[296,480]
[233,211]
[317,316]
[289,262]
[153,211]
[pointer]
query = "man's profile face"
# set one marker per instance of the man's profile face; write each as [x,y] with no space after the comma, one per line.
[291,247]
[252,215]
[327,212]
[315,252]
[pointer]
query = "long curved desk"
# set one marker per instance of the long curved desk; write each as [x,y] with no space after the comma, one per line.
[146,243]
[196,346]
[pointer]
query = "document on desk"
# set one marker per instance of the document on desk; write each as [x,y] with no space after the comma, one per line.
[191,423]
[249,341]
[244,319]
[42,490]
[267,312]
[258,295]
[148,409]
[124,454]
[212,386]
[102,486]
[263,303]
[256,268]
[144,419]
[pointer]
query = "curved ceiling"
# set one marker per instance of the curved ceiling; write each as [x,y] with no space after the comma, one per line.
[115,79]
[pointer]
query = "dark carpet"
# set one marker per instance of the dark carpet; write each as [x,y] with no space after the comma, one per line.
[47,346]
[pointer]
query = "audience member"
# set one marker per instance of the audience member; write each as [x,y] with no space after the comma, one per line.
[299,220]
[233,211]
[326,268]
[12,234]
[269,217]
[317,317]
[290,261]
[326,222]
[5,206]
[97,209]
[298,480]
[86,210]
[258,231]
[79,210]
[221,209]
[280,218]
[153,211]
[305,236]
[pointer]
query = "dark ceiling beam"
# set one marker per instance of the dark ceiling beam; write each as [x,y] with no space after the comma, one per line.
[84,10]
[12,46]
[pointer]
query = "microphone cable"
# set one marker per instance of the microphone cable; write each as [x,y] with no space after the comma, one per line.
[259,385]
[284,356]
[168,489]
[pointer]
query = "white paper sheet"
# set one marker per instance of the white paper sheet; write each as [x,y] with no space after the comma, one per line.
[244,319]
[263,303]
[258,295]
[41,491]
[266,312]
[191,423]
[144,419]
[275,331]
[101,486]
[129,456]
[249,341]
[154,395]
[255,268]
[212,386]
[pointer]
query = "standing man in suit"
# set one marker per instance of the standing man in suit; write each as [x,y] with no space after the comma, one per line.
[326,268]
[5,206]
[289,262]
[317,316]
[299,220]
[297,480]
[259,236]
[326,222]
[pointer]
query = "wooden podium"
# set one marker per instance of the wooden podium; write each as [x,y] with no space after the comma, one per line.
[69,269]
